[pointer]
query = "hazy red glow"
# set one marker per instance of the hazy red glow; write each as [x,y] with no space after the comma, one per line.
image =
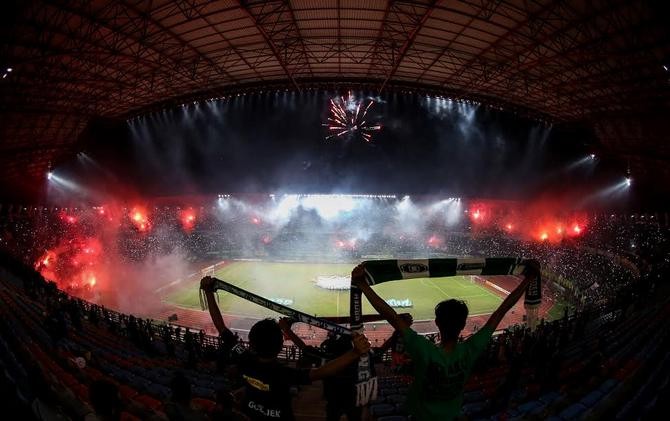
[477,215]
[434,241]
[480,214]
[346,244]
[138,217]
[70,219]
[94,260]
[188,219]
[86,260]
[74,264]
[547,220]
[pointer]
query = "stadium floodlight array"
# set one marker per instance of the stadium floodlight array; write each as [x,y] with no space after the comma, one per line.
[304,195]
[349,196]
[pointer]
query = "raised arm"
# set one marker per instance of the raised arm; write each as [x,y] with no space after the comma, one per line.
[385,310]
[285,324]
[531,272]
[332,367]
[207,285]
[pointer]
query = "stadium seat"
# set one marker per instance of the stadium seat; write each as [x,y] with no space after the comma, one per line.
[203,392]
[381,409]
[393,418]
[127,391]
[473,408]
[473,396]
[396,399]
[591,399]
[147,401]
[572,412]
[607,385]
[205,404]
[529,406]
[126,416]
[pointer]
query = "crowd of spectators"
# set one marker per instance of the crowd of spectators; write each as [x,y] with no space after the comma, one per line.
[608,288]
[583,264]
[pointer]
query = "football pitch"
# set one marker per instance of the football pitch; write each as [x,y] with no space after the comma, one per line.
[296,283]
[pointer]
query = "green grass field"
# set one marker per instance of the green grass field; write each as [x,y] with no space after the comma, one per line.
[296,281]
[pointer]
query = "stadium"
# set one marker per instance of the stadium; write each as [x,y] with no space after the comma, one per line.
[326,210]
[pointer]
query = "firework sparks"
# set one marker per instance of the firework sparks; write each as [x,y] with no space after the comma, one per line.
[349,117]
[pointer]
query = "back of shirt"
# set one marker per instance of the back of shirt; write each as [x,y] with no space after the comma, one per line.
[267,387]
[440,376]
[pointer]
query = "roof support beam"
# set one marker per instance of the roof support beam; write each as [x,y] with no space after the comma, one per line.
[511,32]
[408,42]
[268,40]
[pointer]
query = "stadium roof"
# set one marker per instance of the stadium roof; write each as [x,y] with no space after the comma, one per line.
[603,63]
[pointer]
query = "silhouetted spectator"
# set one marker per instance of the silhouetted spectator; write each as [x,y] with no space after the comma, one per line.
[265,382]
[339,390]
[45,404]
[440,372]
[180,407]
[55,324]
[104,397]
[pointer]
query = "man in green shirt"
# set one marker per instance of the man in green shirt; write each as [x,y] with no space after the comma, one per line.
[441,371]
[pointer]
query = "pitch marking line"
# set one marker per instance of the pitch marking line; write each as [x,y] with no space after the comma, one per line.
[338,303]
[440,289]
[490,293]
[473,295]
[459,281]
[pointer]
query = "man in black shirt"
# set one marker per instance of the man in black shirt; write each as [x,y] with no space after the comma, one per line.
[265,392]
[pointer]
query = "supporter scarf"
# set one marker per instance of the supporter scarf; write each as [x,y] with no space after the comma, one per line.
[296,315]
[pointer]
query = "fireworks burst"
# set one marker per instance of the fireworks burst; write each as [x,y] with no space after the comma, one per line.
[349,117]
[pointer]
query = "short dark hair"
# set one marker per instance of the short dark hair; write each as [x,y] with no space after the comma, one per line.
[266,338]
[450,317]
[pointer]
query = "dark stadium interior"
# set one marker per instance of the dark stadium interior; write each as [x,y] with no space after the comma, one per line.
[154,152]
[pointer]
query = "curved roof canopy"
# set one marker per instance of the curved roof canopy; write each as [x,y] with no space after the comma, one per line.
[597,62]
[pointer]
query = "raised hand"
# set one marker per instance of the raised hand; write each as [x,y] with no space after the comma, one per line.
[361,344]
[285,323]
[358,276]
[207,284]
